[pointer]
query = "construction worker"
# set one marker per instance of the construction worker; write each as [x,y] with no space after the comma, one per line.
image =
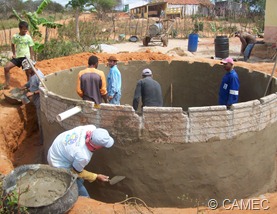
[22,45]
[247,43]
[149,90]
[91,83]
[114,82]
[229,88]
[73,150]
[33,90]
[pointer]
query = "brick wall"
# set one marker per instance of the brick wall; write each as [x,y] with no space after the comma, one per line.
[167,124]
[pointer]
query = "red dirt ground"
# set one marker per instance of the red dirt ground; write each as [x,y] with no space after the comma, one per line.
[19,138]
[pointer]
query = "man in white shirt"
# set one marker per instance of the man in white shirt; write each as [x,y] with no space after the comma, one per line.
[73,150]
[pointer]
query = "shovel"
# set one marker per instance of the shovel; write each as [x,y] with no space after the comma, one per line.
[116,179]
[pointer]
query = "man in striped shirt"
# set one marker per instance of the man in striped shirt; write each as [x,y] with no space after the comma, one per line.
[91,83]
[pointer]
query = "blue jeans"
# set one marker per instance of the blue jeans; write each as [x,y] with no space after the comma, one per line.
[82,191]
[247,51]
[116,99]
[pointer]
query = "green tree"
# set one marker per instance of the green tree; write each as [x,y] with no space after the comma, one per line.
[6,7]
[256,6]
[78,6]
[103,6]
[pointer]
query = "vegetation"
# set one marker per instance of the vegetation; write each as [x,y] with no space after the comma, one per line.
[78,6]
[78,35]
[7,6]
[9,203]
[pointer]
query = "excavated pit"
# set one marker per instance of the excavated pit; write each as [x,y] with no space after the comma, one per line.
[182,154]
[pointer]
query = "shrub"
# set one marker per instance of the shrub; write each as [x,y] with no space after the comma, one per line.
[57,48]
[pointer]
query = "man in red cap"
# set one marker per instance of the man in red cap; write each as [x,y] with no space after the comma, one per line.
[229,88]
[73,150]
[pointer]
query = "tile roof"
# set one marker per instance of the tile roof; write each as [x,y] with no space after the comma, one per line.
[182,1]
[206,3]
[203,2]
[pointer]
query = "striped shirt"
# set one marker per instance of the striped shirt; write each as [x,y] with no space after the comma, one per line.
[91,85]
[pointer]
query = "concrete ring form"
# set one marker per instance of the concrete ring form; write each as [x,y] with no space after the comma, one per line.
[185,153]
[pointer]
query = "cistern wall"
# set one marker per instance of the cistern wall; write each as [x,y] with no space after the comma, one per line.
[181,155]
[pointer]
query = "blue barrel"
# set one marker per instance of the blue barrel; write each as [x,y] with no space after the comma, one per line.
[192,42]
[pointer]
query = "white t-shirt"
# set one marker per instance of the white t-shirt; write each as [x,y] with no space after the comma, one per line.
[69,149]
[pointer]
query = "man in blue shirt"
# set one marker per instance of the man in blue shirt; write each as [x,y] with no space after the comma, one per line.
[33,90]
[229,88]
[114,82]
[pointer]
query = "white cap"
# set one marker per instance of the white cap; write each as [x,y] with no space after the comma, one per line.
[101,137]
[146,72]
[26,65]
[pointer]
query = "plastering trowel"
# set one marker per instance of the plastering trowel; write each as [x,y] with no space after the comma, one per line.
[116,179]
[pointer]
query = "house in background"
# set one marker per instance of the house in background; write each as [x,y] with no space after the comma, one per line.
[270,32]
[173,8]
[126,5]
[226,8]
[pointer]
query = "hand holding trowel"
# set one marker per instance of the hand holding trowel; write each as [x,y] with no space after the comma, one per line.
[116,179]
[111,181]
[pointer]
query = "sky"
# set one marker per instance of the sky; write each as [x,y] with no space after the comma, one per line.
[62,2]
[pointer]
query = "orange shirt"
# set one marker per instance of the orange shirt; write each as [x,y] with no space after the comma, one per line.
[91,85]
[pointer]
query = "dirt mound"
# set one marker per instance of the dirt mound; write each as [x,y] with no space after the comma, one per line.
[53,65]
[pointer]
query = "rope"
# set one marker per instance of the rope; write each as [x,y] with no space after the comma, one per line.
[130,203]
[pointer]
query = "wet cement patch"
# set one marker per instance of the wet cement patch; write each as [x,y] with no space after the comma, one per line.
[41,187]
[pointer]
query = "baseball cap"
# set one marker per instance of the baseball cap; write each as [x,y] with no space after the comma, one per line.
[112,58]
[146,72]
[26,65]
[101,137]
[227,60]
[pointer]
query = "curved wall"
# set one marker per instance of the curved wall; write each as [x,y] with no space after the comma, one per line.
[173,157]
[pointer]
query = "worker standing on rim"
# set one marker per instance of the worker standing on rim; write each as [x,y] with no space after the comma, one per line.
[247,43]
[148,90]
[91,83]
[33,90]
[22,45]
[229,88]
[73,150]
[114,82]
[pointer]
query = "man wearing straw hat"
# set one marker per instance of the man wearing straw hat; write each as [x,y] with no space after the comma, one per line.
[114,82]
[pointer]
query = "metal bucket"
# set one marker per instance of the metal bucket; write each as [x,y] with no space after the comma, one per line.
[24,99]
[43,189]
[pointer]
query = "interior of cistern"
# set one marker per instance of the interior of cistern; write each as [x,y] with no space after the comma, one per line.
[167,153]
[183,84]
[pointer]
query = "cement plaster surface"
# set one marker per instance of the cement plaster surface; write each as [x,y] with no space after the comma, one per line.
[182,175]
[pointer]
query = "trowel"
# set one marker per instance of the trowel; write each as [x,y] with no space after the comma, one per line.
[116,179]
